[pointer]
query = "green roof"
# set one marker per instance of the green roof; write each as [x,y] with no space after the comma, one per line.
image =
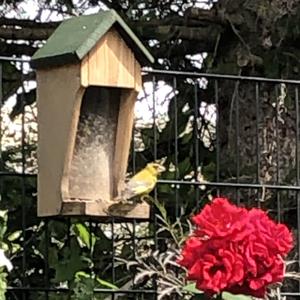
[75,37]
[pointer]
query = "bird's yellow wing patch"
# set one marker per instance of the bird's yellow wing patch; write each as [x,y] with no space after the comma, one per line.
[138,187]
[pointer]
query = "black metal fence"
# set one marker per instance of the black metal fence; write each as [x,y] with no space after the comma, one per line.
[220,135]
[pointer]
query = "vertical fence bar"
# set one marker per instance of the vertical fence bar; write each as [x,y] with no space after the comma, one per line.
[196,139]
[155,157]
[237,137]
[1,132]
[46,275]
[68,244]
[23,166]
[257,139]
[113,274]
[133,221]
[154,118]
[1,129]
[177,208]
[134,248]
[298,171]
[277,154]
[134,238]
[91,252]
[154,147]
[177,212]
[216,94]
[1,83]
[1,104]
[133,151]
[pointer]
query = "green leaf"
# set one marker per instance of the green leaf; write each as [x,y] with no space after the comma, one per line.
[191,288]
[229,296]
[3,284]
[3,221]
[14,236]
[71,261]
[160,208]
[106,284]
[83,286]
[184,166]
[83,234]
[3,214]
[15,248]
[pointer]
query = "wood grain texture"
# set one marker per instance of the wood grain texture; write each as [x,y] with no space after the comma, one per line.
[123,138]
[138,77]
[101,209]
[111,63]
[58,110]
[71,179]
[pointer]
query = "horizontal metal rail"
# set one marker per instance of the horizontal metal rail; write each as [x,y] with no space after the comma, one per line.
[67,290]
[218,76]
[232,185]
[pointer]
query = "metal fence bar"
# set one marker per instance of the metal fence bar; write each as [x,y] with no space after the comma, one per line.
[216,101]
[155,221]
[277,154]
[298,170]
[218,76]
[14,59]
[46,268]
[196,137]
[177,212]
[257,115]
[175,79]
[96,290]
[232,185]
[23,170]
[113,253]
[236,100]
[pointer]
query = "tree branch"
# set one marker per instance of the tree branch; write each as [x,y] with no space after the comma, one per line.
[27,23]
[205,15]
[25,33]
[214,15]
[175,20]
[16,49]
[206,35]
[200,25]
[179,50]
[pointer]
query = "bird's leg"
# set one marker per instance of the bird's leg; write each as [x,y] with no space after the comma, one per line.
[146,198]
[117,199]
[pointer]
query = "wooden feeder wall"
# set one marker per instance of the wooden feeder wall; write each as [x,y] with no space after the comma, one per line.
[86,113]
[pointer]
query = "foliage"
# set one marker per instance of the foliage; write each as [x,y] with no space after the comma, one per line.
[258,38]
[5,243]
[170,276]
[162,265]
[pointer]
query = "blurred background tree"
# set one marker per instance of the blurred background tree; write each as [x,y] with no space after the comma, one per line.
[237,37]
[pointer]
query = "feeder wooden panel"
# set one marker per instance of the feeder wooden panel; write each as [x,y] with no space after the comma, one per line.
[115,59]
[85,117]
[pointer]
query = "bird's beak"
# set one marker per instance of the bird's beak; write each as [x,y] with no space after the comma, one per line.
[161,169]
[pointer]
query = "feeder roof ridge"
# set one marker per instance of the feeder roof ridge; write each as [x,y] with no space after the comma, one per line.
[75,37]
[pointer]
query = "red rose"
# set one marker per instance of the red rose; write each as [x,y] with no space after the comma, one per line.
[222,219]
[216,268]
[277,236]
[263,267]
[236,250]
[191,252]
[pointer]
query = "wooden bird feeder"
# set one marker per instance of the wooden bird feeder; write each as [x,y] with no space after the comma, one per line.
[88,78]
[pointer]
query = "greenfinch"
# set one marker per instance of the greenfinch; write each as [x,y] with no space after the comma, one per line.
[142,183]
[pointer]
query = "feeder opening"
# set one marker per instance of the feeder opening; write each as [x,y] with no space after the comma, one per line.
[91,172]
